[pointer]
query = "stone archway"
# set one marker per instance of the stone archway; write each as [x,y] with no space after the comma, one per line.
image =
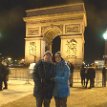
[45,24]
[49,35]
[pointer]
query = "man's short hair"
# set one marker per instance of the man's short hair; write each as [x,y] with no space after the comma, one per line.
[48,53]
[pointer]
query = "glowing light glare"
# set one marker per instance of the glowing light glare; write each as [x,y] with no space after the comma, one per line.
[96,62]
[9,59]
[105,35]
[84,63]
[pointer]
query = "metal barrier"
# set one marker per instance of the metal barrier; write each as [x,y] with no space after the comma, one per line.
[19,73]
[23,74]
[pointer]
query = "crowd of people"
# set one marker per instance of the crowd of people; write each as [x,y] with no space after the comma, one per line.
[89,73]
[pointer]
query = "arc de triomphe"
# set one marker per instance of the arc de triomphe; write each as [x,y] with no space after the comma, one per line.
[64,24]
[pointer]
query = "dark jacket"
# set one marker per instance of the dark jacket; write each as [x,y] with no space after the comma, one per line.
[90,73]
[83,72]
[71,66]
[42,76]
[4,72]
[104,71]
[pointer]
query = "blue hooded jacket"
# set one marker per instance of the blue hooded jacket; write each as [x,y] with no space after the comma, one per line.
[61,88]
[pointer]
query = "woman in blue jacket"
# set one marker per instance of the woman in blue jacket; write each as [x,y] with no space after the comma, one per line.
[61,89]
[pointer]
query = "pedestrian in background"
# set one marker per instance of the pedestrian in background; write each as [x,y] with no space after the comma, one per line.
[71,66]
[4,75]
[104,76]
[83,75]
[90,76]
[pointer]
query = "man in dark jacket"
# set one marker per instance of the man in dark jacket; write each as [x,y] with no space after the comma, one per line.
[71,66]
[83,75]
[90,75]
[42,76]
[104,73]
[4,72]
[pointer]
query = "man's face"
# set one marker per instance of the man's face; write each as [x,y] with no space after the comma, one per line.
[47,57]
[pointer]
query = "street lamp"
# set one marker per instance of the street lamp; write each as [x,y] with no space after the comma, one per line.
[105,52]
[105,35]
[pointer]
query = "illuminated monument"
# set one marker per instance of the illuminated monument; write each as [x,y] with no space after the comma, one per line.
[64,24]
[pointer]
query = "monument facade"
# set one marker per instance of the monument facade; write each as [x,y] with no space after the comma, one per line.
[64,24]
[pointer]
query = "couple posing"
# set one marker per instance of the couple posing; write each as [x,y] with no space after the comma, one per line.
[51,80]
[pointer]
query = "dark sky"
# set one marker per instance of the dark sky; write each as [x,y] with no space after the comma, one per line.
[12,26]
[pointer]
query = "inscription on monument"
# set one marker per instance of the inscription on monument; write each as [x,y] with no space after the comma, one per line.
[52,26]
[72,28]
[33,31]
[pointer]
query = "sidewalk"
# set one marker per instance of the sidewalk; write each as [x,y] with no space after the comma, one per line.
[79,97]
[17,89]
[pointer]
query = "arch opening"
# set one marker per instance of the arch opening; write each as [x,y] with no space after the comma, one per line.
[56,44]
[52,40]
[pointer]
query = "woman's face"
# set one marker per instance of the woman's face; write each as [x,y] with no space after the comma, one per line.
[57,58]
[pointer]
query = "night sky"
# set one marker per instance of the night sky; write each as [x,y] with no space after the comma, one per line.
[12,26]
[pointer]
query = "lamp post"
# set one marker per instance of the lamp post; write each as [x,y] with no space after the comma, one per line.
[105,51]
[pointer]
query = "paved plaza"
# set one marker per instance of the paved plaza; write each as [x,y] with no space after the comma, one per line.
[17,89]
[19,94]
[20,86]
